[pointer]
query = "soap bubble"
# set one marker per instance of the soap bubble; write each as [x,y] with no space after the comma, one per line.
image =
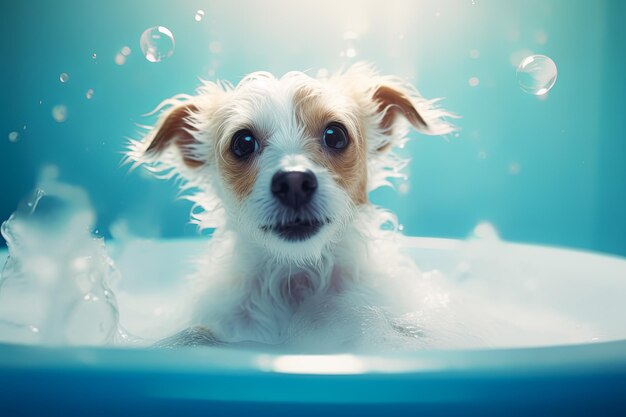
[94,56]
[89,94]
[125,51]
[536,74]
[157,43]
[199,15]
[473,81]
[14,137]
[64,77]
[59,113]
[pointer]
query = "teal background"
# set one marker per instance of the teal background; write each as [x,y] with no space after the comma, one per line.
[570,148]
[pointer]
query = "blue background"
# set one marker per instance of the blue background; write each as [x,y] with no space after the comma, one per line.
[570,147]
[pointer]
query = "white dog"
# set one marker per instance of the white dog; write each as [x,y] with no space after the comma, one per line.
[282,167]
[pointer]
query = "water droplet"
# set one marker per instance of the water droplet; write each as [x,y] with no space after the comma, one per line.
[473,81]
[14,137]
[514,168]
[64,77]
[322,73]
[215,47]
[59,113]
[199,15]
[89,94]
[541,37]
[157,43]
[120,59]
[536,74]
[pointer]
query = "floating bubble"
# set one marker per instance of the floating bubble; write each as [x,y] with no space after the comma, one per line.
[157,43]
[64,77]
[14,137]
[125,51]
[536,74]
[59,113]
[94,56]
[541,37]
[120,59]
[199,15]
[473,81]
[322,73]
[514,168]
[89,94]
[215,47]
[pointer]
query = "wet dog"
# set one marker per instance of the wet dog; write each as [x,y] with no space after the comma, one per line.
[282,168]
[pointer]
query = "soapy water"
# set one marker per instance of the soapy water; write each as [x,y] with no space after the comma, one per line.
[60,287]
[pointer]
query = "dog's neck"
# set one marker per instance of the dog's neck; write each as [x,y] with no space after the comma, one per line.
[252,296]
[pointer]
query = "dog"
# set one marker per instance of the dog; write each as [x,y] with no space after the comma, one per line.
[281,168]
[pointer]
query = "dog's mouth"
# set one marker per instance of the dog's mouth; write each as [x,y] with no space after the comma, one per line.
[297,229]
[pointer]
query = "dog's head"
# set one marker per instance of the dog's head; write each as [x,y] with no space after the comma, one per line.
[289,160]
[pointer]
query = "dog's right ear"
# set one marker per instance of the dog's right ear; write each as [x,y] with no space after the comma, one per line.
[176,127]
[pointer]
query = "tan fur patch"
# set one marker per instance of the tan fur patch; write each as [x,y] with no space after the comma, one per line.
[175,128]
[240,175]
[394,102]
[348,166]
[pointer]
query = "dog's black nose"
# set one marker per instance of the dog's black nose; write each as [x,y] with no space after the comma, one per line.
[294,189]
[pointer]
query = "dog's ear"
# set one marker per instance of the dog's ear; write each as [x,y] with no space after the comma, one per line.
[392,102]
[175,128]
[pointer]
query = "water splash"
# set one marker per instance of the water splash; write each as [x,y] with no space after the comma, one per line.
[54,288]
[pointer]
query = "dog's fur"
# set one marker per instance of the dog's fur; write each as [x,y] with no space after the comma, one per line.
[253,284]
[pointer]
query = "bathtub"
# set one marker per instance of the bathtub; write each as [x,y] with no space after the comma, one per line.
[562,379]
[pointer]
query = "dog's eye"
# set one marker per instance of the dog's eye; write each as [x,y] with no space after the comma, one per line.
[335,136]
[244,144]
